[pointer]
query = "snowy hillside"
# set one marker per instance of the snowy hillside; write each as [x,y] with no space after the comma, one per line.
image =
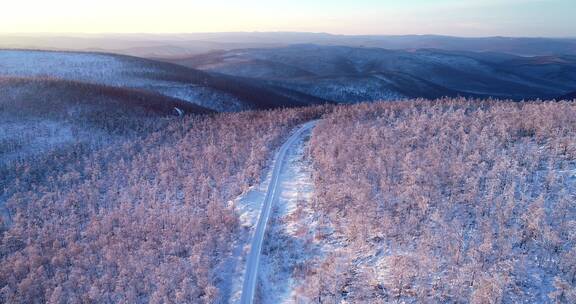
[120,71]
[42,115]
[217,92]
[450,73]
[444,202]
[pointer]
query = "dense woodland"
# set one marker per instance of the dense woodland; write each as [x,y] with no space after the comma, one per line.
[42,118]
[140,219]
[450,201]
[445,202]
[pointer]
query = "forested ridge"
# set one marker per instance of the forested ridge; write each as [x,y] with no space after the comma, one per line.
[450,201]
[144,219]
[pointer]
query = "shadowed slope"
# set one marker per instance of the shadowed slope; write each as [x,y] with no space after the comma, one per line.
[568,96]
[49,95]
[350,74]
[216,92]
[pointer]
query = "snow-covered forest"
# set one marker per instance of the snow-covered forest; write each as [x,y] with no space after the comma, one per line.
[143,220]
[449,201]
[288,152]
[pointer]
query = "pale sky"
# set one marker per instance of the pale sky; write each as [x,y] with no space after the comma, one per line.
[447,17]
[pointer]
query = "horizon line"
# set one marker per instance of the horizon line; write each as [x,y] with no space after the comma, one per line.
[270,32]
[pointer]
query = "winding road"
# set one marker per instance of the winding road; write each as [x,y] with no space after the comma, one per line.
[251,275]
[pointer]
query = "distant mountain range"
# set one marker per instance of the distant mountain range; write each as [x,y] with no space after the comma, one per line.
[163,45]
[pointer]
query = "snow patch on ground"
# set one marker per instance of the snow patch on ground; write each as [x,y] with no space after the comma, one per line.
[248,207]
[21,139]
[291,219]
[289,241]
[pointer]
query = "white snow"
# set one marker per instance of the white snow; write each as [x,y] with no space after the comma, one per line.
[24,138]
[248,207]
[292,236]
[20,139]
[291,239]
[286,223]
[288,239]
[97,68]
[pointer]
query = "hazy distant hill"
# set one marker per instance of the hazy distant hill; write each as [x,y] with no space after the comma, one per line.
[348,74]
[161,45]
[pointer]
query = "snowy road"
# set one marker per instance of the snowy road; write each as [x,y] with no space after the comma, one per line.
[252,263]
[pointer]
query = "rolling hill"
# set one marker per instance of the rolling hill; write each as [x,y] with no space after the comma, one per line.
[219,93]
[47,96]
[347,74]
[39,115]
